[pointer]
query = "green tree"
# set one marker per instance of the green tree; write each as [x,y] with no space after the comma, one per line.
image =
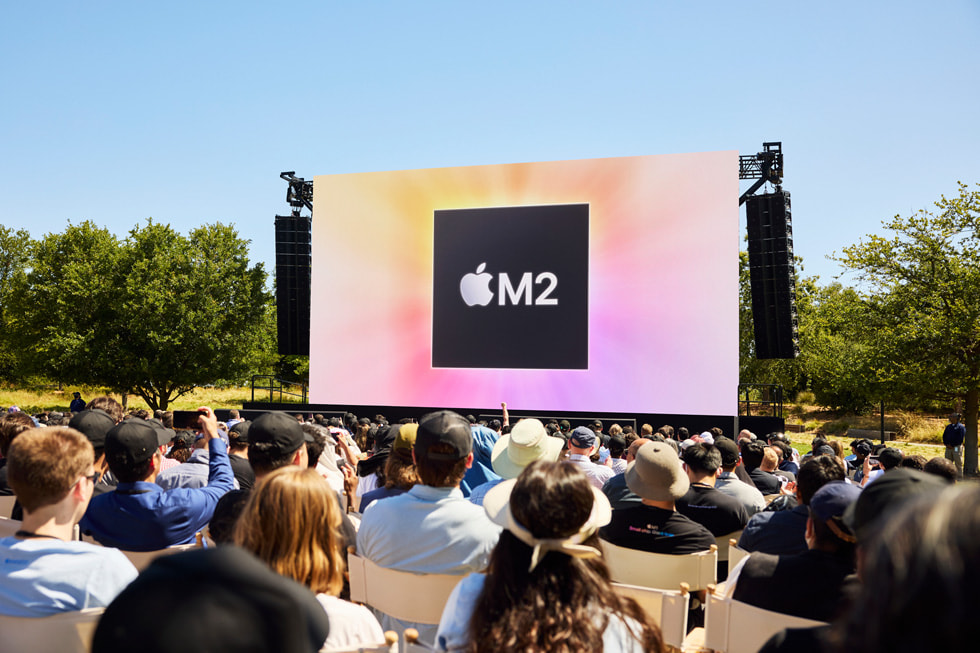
[15,247]
[920,287]
[156,314]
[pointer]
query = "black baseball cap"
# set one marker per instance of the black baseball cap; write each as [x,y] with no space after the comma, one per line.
[93,424]
[279,430]
[443,427]
[886,493]
[225,599]
[239,432]
[133,441]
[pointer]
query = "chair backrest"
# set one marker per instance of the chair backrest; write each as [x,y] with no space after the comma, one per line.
[67,632]
[413,644]
[735,554]
[7,506]
[142,559]
[669,608]
[663,571]
[418,598]
[731,626]
[9,526]
[390,646]
[723,543]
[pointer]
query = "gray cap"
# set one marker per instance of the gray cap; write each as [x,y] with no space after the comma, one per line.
[656,473]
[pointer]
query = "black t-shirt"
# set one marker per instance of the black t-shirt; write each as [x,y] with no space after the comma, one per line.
[810,585]
[242,470]
[647,528]
[713,509]
[766,482]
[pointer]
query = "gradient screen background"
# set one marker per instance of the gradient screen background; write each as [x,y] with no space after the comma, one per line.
[663,285]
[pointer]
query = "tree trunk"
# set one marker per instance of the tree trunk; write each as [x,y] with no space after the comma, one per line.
[970,444]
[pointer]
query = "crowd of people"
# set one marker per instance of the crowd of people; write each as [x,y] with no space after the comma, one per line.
[879,546]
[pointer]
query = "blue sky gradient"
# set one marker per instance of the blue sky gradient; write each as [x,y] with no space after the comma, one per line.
[186,112]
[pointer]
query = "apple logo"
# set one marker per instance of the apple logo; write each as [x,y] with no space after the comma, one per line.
[475,287]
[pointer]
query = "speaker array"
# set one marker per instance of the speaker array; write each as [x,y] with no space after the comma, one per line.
[293,284]
[770,231]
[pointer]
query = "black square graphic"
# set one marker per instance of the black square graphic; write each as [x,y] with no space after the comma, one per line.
[525,270]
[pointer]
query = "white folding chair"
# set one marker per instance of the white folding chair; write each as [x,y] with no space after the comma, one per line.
[390,646]
[142,559]
[9,526]
[659,570]
[667,607]
[731,626]
[7,506]
[412,643]
[735,554]
[723,544]
[417,598]
[66,632]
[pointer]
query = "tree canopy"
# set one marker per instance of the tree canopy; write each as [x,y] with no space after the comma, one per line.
[920,289]
[157,313]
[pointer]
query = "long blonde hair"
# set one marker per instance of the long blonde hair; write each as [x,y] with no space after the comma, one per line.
[291,522]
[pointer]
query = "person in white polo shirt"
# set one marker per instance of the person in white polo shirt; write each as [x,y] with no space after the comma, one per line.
[582,443]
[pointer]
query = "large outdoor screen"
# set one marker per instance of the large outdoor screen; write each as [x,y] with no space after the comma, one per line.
[603,285]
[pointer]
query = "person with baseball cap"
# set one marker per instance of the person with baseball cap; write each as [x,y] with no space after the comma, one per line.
[810,584]
[582,444]
[656,476]
[140,515]
[94,425]
[432,528]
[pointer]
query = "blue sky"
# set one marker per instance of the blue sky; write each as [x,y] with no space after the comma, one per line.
[187,112]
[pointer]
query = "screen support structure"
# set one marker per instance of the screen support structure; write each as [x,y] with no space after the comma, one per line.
[766,167]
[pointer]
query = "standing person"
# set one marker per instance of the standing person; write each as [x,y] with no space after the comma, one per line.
[953,436]
[77,404]
[547,588]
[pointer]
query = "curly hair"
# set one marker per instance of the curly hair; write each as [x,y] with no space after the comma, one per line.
[565,603]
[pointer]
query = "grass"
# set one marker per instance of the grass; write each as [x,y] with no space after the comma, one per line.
[37,400]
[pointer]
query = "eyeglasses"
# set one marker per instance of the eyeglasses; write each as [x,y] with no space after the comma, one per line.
[93,477]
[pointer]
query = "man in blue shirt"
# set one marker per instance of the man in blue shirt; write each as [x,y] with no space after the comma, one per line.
[140,515]
[953,436]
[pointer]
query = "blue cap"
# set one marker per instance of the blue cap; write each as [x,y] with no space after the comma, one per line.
[582,437]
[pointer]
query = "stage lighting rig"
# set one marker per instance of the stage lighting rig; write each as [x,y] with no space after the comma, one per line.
[299,193]
[766,166]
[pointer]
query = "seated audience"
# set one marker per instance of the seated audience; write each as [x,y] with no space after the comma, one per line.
[43,571]
[919,574]
[582,444]
[615,488]
[784,531]
[432,528]
[753,456]
[400,473]
[238,453]
[11,425]
[655,525]
[808,584]
[207,600]
[718,512]
[942,467]
[547,588]
[527,441]
[140,515]
[728,483]
[283,525]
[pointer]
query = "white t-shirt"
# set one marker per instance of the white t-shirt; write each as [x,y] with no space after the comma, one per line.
[44,576]
[351,625]
[454,627]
